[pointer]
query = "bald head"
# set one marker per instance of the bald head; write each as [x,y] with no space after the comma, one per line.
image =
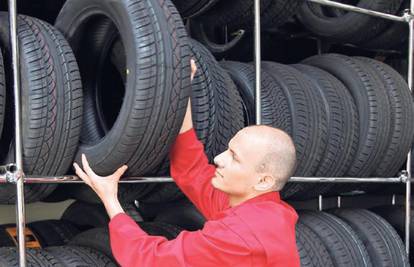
[278,150]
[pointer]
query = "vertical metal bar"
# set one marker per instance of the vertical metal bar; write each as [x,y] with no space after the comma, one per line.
[410,84]
[257,59]
[20,213]
[320,202]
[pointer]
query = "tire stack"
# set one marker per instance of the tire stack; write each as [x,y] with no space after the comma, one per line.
[348,116]
[348,237]
[332,24]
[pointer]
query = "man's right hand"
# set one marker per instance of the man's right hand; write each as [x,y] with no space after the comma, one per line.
[188,120]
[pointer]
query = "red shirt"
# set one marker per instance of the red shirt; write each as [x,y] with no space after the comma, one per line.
[257,232]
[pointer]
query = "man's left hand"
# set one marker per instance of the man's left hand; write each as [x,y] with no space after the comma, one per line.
[105,187]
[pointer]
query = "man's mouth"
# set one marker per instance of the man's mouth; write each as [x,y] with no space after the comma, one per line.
[219,174]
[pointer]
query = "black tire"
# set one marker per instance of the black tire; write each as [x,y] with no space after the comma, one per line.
[2,94]
[34,258]
[216,104]
[301,115]
[343,123]
[343,244]
[395,215]
[373,108]
[53,232]
[86,215]
[72,256]
[139,129]
[243,75]
[182,214]
[395,34]
[163,193]
[193,8]
[166,230]
[333,23]
[5,239]
[46,10]
[239,14]
[52,105]
[312,251]
[383,244]
[402,114]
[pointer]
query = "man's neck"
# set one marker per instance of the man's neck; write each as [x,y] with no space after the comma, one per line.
[237,200]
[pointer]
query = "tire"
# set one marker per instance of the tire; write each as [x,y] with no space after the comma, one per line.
[402,114]
[139,129]
[193,8]
[243,75]
[5,239]
[53,232]
[34,257]
[312,251]
[51,101]
[46,10]
[343,123]
[216,104]
[332,23]
[86,215]
[343,244]
[168,231]
[70,256]
[182,214]
[395,215]
[301,115]
[163,193]
[394,35]
[373,108]
[383,244]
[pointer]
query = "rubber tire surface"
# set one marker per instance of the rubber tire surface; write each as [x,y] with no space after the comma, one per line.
[72,256]
[51,101]
[383,244]
[9,257]
[342,131]
[158,82]
[402,114]
[343,244]
[372,104]
[312,250]
[337,27]
[53,232]
[86,215]
[301,114]
[395,215]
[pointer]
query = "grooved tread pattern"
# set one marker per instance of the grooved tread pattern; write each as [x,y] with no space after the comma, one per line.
[52,105]
[343,244]
[79,256]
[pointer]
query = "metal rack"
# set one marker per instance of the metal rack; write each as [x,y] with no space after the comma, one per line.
[13,173]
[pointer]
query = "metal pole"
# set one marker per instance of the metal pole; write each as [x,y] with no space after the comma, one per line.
[410,84]
[257,58]
[20,213]
[359,10]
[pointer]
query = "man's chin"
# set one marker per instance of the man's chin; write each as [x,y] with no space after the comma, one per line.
[215,182]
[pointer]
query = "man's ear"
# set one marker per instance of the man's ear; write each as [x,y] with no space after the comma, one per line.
[265,183]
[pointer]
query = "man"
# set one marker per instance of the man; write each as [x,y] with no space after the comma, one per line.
[248,224]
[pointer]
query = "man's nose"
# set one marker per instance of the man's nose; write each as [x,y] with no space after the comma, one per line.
[218,160]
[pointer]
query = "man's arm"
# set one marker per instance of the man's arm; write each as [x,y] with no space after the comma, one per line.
[190,168]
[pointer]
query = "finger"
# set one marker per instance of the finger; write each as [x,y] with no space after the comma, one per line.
[82,174]
[86,166]
[118,173]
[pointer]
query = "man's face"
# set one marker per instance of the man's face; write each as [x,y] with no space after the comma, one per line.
[236,167]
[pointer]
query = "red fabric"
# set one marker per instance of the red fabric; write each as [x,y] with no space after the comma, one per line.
[258,232]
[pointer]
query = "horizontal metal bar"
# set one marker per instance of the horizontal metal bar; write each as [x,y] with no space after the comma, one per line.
[401,179]
[404,18]
[72,179]
[75,180]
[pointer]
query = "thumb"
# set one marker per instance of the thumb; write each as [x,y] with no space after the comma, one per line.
[118,173]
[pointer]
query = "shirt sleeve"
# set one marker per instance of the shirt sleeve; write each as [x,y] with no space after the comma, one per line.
[215,245]
[192,173]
